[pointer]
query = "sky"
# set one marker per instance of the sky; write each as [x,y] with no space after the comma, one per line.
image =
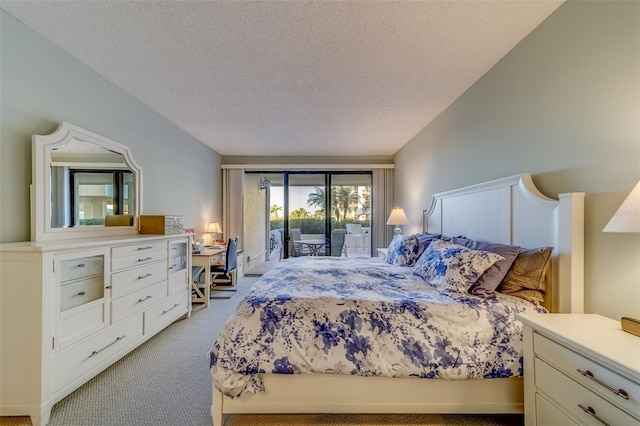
[297,197]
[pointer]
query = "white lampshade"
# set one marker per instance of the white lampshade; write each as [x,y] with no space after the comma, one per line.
[397,218]
[214,228]
[627,217]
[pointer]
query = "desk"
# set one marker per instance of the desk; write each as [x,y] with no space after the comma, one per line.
[202,262]
[315,246]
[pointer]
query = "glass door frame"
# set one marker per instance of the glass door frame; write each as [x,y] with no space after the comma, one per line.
[327,188]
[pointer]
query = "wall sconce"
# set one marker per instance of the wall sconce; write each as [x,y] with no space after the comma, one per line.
[265,184]
[397,218]
[213,229]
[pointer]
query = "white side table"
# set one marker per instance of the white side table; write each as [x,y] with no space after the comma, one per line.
[382,252]
[580,369]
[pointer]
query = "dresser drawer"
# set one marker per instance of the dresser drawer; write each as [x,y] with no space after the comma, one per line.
[77,361]
[133,279]
[140,249]
[575,398]
[548,414]
[80,323]
[134,302]
[76,293]
[166,312]
[82,267]
[137,259]
[589,373]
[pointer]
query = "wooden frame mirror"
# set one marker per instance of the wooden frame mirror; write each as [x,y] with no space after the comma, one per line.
[84,185]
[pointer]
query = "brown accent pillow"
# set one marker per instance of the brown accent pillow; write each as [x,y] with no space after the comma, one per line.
[526,277]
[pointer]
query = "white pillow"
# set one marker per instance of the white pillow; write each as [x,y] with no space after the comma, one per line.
[451,267]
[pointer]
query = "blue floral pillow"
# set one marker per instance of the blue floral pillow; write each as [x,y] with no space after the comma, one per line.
[405,250]
[451,267]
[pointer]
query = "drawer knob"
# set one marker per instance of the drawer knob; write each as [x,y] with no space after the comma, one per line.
[82,293]
[144,248]
[80,265]
[146,298]
[590,411]
[145,259]
[142,277]
[620,392]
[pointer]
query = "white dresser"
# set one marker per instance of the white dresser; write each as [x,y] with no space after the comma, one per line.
[580,369]
[71,308]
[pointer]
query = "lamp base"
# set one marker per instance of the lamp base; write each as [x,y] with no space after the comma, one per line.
[397,232]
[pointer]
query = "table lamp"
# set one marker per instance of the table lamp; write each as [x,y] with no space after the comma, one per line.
[627,219]
[213,229]
[397,218]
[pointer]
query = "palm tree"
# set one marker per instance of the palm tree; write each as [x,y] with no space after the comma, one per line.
[366,199]
[274,211]
[318,198]
[347,199]
[300,213]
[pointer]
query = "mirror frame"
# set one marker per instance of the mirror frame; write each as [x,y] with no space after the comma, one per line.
[41,229]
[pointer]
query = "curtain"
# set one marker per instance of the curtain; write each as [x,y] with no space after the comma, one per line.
[233,204]
[382,204]
[60,197]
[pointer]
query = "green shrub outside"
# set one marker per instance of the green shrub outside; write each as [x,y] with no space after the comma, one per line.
[89,222]
[313,226]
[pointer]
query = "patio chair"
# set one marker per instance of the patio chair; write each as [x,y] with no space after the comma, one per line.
[354,235]
[275,243]
[296,249]
[338,237]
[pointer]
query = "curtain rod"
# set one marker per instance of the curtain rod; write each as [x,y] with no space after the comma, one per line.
[307,166]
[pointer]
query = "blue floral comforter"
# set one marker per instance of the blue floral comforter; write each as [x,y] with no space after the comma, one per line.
[365,317]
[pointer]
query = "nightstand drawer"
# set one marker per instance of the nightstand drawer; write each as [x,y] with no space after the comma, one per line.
[589,373]
[576,399]
[548,414]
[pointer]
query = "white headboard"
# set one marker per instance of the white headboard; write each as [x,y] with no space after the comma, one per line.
[511,210]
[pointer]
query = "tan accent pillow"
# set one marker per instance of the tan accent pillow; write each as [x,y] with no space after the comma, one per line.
[526,277]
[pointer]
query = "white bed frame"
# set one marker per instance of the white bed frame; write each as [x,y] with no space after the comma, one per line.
[509,210]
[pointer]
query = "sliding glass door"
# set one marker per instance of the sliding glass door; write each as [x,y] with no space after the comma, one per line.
[319,213]
[351,212]
[306,214]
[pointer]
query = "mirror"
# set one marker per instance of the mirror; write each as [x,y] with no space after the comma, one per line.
[84,185]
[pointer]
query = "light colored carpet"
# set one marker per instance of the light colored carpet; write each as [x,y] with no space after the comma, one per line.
[166,382]
[262,268]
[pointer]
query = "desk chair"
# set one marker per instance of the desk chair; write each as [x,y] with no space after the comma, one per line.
[222,275]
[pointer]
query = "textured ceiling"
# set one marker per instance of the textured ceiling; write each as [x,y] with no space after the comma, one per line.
[290,77]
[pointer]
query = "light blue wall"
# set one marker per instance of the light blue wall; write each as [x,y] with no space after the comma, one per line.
[41,86]
[564,105]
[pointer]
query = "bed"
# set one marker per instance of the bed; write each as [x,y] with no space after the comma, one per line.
[507,211]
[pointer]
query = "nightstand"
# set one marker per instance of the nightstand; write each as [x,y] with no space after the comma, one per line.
[382,252]
[580,369]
